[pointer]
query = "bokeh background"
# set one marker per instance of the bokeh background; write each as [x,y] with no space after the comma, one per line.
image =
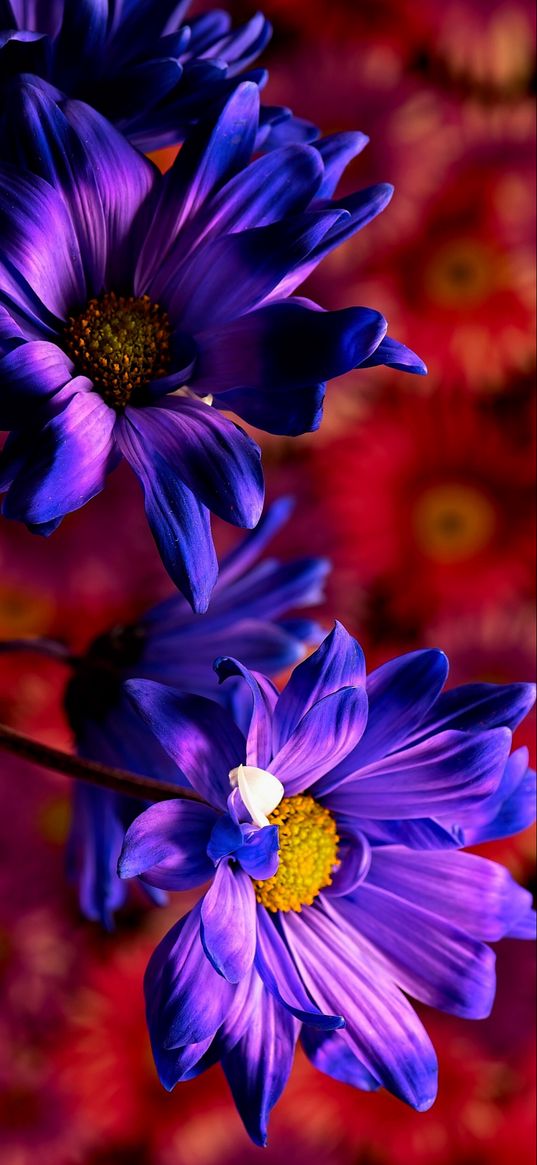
[421,493]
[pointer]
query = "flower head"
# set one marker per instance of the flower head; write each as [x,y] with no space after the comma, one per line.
[136,309]
[150,73]
[248,613]
[353,896]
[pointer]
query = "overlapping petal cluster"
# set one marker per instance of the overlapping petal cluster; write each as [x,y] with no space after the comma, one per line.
[408,774]
[140,63]
[249,615]
[95,239]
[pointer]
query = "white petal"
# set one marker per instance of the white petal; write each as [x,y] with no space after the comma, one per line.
[260,791]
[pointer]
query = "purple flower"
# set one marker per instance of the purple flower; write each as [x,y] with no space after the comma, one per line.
[137,310]
[138,63]
[331,835]
[248,613]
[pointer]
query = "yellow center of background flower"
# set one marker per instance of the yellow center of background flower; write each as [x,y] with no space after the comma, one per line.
[121,344]
[453,522]
[308,855]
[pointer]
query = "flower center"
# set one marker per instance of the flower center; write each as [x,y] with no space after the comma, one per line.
[308,854]
[121,344]
[461,274]
[453,522]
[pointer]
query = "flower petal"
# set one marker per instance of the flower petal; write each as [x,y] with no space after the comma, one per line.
[216,460]
[445,777]
[470,892]
[284,345]
[264,697]
[180,523]
[228,922]
[324,736]
[275,965]
[337,663]
[258,1067]
[69,462]
[381,1028]
[167,845]
[197,733]
[30,374]
[186,999]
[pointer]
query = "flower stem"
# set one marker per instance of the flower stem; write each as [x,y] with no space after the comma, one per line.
[129,784]
[48,647]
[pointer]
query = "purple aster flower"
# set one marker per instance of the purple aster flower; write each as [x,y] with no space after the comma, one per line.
[248,613]
[331,835]
[137,310]
[138,63]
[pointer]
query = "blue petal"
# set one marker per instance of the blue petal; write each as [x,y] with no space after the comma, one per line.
[427,956]
[258,855]
[283,346]
[472,893]
[400,694]
[337,663]
[228,922]
[275,965]
[197,733]
[259,1065]
[167,845]
[395,355]
[446,777]
[264,696]
[479,706]
[381,1028]
[186,998]
[336,151]
[329,1052]
[180,523]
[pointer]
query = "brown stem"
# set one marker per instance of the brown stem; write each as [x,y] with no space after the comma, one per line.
[146,788]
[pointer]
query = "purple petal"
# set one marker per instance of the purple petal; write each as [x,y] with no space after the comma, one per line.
[354,854]
[30,375]
[69,463]
[381,1028]
[259,1065]
[228,922]
[444,777]
[215,459]
[338,663]
[232,275]
[428,957]
[197,733]
[40,266]
[264,697]
[470,892]
[180,523]
[206,161]
[324,737]
[186,998]
[167,845]
[275,965]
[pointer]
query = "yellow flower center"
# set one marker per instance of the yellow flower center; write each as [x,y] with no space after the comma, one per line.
[308,854]
[121,344]
[453,522]
[462,273]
